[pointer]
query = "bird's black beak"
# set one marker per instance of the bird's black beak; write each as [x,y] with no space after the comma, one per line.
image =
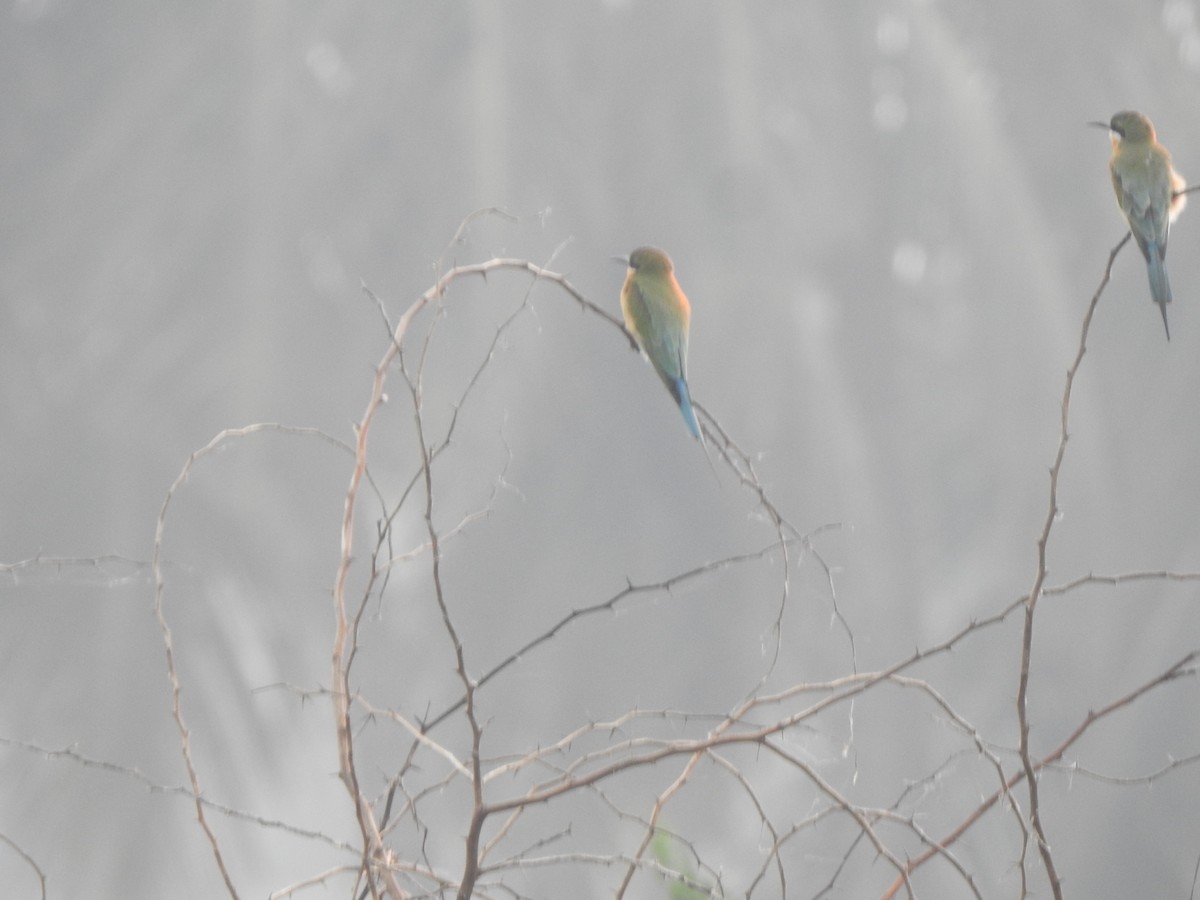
[623,260]
[1103,125]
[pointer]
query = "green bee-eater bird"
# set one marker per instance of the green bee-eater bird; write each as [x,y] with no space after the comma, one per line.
[657,314]
[1149,193]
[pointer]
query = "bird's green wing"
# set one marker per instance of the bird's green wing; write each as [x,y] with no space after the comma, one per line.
[661,331]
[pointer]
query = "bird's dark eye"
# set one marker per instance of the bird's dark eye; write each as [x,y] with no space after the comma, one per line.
[1117,130]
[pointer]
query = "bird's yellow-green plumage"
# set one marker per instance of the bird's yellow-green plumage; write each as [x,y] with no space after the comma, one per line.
[658,315]
[1148,192]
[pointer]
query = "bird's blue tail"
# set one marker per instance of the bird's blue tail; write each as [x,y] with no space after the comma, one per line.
[685,407]
[1160,288]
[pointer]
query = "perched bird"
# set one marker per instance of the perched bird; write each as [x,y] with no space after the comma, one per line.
[657,314]
[1148,192]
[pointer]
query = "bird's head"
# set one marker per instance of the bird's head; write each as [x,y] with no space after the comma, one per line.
[1128,125]
[650,260]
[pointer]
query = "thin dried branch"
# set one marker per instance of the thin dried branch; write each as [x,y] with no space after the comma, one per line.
[1181,669]
[29,861]
[74,756]
[748,789]
[345,640]
[838,691]
[1118,580]
[165,629]
[319,880]
[652,825]
[1158,774]
[97,565]
[1039,579]
[667,586]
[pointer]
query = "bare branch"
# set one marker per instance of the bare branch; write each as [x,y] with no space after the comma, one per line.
[1039,579]
[29,861]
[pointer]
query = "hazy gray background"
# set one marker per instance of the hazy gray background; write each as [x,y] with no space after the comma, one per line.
[889,217]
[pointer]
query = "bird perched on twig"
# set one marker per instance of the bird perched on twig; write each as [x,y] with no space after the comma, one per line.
[658,315]
[1149,192]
